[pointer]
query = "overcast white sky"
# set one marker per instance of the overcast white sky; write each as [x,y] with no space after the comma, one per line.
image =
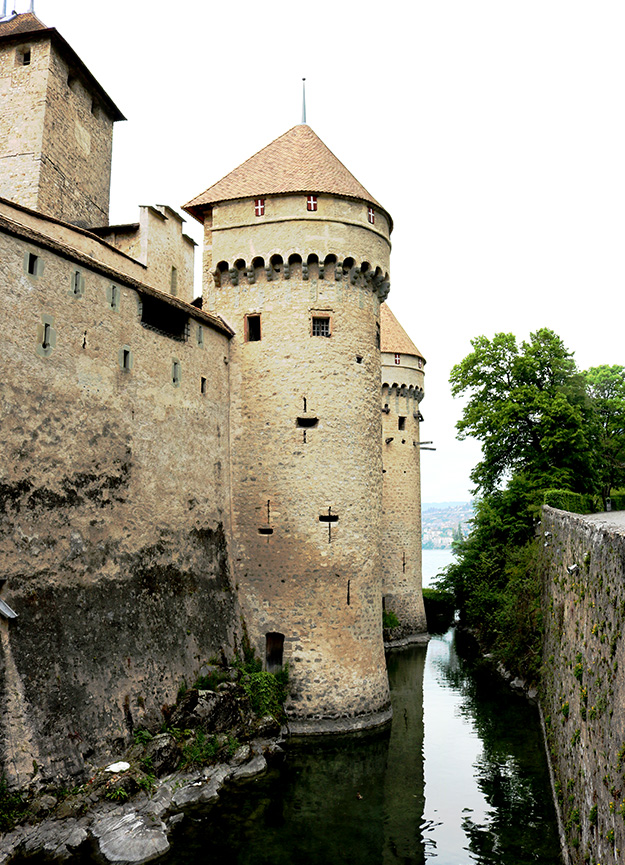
[493,131]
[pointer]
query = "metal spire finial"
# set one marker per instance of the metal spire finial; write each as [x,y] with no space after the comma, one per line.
[4,9]
[303,100]
[32,6]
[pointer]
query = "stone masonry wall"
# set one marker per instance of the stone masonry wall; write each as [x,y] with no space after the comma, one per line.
[401,521]
[114,494]
[306,454]
[22,94]
[59,162]
[583,695]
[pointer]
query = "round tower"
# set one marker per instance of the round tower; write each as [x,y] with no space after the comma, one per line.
[402,391]
[296,261]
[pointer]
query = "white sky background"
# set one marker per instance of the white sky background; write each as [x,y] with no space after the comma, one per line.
[493,132]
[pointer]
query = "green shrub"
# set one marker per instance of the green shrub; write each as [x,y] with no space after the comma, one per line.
[576,503]
[440,608]
[267,692]
[210,681]
[389,619]
[12,806]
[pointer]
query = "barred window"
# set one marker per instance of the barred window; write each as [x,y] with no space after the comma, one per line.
[321,326]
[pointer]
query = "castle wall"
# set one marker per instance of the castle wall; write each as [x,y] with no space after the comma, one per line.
[583,685]
[22,94]
[59,162]
[306,463]
[114,491]
[401,519]
[76,150]
[158,241]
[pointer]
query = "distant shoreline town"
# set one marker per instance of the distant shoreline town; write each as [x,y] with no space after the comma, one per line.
[442,521]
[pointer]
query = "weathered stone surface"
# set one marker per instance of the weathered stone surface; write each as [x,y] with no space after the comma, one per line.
[130,839]
[583,682]
[256,766]
[202,791]
[164,752]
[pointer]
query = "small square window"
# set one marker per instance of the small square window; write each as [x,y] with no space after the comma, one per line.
[321,326]
[259,207]
[371,215]
[398,358]
[23,57]
[311,202]
[252,328]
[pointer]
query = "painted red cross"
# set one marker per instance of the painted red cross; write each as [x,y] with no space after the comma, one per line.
[259,207]
[311,202]
[371,215]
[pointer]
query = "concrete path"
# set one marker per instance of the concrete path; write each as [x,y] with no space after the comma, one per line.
[613,521]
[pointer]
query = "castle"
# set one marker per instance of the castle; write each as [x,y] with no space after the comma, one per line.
[180,474]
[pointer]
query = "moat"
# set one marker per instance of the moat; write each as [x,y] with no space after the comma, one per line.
[460,777]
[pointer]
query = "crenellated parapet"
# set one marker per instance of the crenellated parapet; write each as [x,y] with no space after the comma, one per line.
[312,266]
[393,390]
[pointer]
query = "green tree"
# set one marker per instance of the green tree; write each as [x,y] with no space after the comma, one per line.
[527,404]
[606,388]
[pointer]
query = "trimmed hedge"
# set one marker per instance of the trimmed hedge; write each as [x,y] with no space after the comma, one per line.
[578,503]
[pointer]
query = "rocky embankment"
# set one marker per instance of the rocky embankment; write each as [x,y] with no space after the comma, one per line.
[127,810]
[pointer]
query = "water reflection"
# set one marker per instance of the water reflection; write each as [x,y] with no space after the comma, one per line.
[486,775]
[362,800]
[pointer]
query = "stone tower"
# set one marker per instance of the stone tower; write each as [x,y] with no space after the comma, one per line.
[58,161]
[296,261]
[402,391]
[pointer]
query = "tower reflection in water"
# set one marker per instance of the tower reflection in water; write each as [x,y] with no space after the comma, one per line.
[360,800]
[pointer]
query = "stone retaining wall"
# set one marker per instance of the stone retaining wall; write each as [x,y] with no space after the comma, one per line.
[583,693]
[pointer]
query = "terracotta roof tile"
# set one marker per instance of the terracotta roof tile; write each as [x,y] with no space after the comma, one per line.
[25,23]
[393,338]
[298,161]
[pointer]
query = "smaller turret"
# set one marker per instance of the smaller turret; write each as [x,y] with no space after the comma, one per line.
[402,391]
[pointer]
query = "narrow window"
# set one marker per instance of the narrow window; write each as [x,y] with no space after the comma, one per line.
[321,326]
[371,215]
[45,342]
[274,651]
[175,373]
[259,207]
[77,283]
[126,359]
[311,202]
[114,297]
[377,334]
[307,422]
[174,281]
[252,328]
[32,263]
[398,358]
[202,385]
[401,423]
[200,335]
[24,57]
[358,358]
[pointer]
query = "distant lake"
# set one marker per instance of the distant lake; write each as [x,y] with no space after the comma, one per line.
[433,563]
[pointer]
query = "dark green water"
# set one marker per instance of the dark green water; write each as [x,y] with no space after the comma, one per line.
[459,778]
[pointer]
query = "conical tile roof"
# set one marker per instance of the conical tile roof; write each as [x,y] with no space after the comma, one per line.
[393,338]
[297,161]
